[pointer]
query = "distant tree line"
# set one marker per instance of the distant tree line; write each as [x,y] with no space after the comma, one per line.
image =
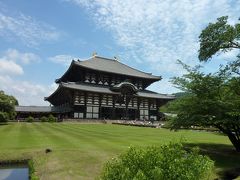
[7,104]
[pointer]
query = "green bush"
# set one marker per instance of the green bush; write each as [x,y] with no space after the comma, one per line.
[51,118]
[159,163]
[30,119]
[3,117]
[43,119]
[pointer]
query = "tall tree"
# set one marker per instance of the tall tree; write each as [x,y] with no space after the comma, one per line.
[218,37]
[214,99]
[7,104]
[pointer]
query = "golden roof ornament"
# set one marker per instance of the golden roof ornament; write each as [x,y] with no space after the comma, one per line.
[94,54]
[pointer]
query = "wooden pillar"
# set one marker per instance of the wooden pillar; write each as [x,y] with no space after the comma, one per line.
[85,104]
[127,100]
[100,106]
[149,109]
[109,80]
[138,107]
[157,109]
[126,107]
[114,109]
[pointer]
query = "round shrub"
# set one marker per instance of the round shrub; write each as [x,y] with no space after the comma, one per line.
[43,119]
[30,119]
[159,163]
[3,117]
[51,118]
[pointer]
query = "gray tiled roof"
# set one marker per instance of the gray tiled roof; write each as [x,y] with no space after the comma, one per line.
[86,87]
[40,109]
[33,109]
[151,94]
[102,89]
[113,66]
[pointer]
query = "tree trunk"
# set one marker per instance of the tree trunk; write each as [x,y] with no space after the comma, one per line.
[233,136]
[235,141]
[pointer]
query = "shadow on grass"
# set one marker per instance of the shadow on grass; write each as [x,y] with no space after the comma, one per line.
[225,156]
[2,124]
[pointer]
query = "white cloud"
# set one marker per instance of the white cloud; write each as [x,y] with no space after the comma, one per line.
[16,56]
[27,93]
[157,33]
[11,59]
[228,56]
[63,59]
[163,86]
[26,29]
[10,67]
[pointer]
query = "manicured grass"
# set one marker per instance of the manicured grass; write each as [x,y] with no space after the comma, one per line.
[80,150]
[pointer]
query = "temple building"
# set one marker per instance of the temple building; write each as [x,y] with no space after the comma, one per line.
[103,88]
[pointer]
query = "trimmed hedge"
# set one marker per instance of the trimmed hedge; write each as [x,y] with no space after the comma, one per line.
[51,118]
[44,119]
[30,119]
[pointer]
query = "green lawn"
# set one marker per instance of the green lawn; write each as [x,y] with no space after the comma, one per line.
[80,150]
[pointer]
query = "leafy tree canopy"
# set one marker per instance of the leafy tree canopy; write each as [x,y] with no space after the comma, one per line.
[218,37]
[213,101]
[180,94]
[7,104]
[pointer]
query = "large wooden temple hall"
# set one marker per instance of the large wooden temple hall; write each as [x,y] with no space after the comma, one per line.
[102,88]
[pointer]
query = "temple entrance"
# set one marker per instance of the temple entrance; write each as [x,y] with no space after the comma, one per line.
[118,113]
[109,113]
[106,113]
[121,114]
[127,90]
[132,114]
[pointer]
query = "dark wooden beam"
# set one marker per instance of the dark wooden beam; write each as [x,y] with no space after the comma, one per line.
[85,104]
[100,106]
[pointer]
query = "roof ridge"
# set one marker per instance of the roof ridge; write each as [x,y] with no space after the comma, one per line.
[110,59]
[125,65]
[31,106]
[137,69]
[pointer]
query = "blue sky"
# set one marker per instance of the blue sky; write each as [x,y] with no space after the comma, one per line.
[40,38]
